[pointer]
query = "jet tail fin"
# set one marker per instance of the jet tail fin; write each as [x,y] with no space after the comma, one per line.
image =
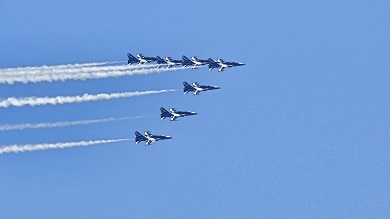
[131,59]
[185,58]
[164,113]
[187,87]
[139,137]
[160,60]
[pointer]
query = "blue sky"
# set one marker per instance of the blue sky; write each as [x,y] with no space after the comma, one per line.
[301,131]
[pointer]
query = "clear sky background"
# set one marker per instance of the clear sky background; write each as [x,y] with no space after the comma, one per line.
[301,131]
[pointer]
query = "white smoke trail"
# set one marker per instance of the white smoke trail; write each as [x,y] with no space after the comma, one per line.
[9,127]
[83,75]
[44,67]
[70,70]
[36,101]
[39,147]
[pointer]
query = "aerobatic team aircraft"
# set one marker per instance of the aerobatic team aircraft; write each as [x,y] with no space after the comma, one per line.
[194,62]
[221,64]
[174,114]
[149,138]
[224,64]
[197,88]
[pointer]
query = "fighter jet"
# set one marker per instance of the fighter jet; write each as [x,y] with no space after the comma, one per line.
[160,61]
[142,59]
[174,114]
[197,62]
[171,62]
[197,88]
[186,61]
[223,64]
[149,138]
[131,59]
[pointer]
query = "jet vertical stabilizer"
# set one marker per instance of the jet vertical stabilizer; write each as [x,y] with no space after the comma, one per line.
[187,87]
[186,61]
[164,113]
[139,137]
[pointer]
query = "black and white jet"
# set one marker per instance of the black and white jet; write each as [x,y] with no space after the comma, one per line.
[197,88]
[149,138]
[143,59]
[174,114]
[221,64]
[198,62]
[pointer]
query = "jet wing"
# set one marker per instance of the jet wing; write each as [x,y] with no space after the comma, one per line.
[150,141]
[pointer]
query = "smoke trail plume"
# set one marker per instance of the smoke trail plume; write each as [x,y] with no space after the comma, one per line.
[39,147]
[36,101]
[9,127]
[44,67]
[87,73]
[70,70]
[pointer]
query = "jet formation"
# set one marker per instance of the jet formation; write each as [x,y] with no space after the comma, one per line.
[173,113]
[221,64]
[169,62]
[194,87]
